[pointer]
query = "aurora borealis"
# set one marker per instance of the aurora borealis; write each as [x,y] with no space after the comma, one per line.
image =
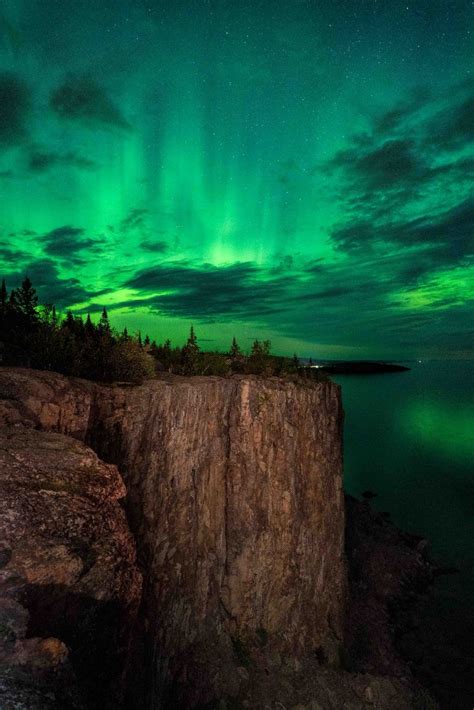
[298,170]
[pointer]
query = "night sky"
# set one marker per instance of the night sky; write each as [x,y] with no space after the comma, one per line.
[298,170]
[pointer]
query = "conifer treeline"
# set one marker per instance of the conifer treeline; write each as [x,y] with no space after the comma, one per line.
[34,335]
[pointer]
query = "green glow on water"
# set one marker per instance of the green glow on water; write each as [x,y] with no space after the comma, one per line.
[446,430]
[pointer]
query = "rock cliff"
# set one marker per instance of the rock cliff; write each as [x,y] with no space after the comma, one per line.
[234,497]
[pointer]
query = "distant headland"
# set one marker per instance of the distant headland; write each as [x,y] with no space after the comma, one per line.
[358,367]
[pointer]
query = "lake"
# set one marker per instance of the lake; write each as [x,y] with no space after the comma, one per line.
[409,437]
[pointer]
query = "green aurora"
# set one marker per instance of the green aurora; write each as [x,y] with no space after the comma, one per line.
[300,171]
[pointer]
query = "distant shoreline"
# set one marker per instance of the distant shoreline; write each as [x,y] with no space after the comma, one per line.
[358,367]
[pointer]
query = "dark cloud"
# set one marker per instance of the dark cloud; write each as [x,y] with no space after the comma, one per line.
[23,233]
[453,230]
[407,190]
[415,152]
[384,167]
[206,291]
[66,241]
[315,266]
[454,127]
[155,247]
[445,120]
[14,109]
[81,98]
[392,163]
[284,263]
[50,286]
[11,255]
[351,237]
[449,234]
[134,219]
[41,160]
[395,119]
[327,293]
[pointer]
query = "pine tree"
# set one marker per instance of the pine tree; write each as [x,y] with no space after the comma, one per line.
[89,327]
[235,350]
[104,325]
[69,322]
[256,349]
[191,344]
[259,360]
[27,302]
[190,354]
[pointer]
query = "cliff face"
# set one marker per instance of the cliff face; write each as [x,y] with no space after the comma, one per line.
[235,492]
[235,500]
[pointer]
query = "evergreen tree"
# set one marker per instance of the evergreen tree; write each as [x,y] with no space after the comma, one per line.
[89,327]
[190,354]
[68,322]
[259,361]
[27,302]
[104,325]
[235,350]
[191,344]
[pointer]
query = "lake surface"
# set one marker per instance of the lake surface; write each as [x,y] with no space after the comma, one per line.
[409,437]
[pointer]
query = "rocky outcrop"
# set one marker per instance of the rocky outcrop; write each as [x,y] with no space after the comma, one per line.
[69,585]
[396,624]
[234,496]
[387,568]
